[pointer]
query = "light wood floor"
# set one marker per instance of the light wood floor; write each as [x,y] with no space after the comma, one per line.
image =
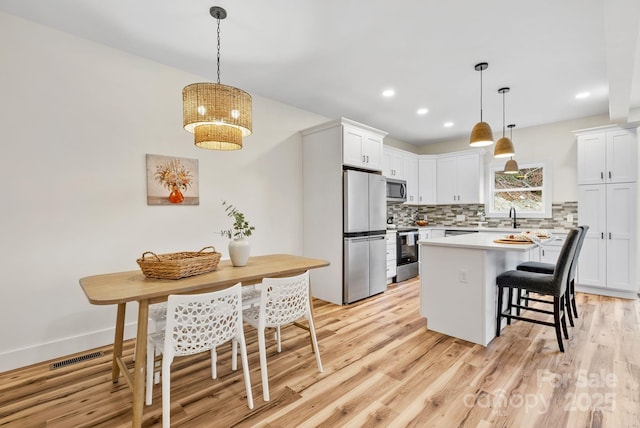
[382,367]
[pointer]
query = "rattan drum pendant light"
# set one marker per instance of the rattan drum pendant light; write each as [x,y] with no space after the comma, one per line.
[218,115]
[504,146]
[511,167]
[481,134]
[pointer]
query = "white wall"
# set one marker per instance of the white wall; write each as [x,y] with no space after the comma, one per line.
[76,120]
[553,142]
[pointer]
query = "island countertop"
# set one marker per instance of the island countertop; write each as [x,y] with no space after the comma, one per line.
[479,241]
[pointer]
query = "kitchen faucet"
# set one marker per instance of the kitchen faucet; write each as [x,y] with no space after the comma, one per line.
[512,210]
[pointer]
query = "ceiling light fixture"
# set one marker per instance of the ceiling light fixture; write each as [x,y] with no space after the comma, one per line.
[582,95]
[504,146]
[422,111]
[218,115]
[448,124]
[388,93]
[511,166]
[481,134]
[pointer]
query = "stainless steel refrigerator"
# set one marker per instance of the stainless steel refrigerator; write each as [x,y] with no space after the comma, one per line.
[364,221]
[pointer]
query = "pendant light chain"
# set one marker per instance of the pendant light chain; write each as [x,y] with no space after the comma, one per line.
[218,19]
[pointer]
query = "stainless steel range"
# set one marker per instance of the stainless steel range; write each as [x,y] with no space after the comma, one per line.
[407,253]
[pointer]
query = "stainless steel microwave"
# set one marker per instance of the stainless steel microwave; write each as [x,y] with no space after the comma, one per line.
[396,191]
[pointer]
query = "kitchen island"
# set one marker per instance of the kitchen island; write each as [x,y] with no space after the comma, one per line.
[458,282]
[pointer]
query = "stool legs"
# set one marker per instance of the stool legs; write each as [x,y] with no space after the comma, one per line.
[557,316]
[499,317]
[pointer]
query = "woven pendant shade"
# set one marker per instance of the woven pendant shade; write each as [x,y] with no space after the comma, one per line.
[225,109]
[504,148]
[481,135]
[218,137]
[511,167]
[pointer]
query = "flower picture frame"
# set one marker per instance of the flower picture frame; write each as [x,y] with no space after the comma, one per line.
[172,180]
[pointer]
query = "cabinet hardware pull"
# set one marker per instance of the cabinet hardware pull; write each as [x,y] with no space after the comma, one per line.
[542,253]
[601,235]
[609,235]
[609,174]
[601,175]
[363,159]
[367,158]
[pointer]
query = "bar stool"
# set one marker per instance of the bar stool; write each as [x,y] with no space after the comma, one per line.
[554,284]
[548,268]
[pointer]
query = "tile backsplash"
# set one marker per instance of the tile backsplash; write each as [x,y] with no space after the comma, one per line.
[445,215]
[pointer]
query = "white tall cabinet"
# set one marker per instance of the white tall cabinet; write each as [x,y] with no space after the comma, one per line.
[607,203]
[325,149]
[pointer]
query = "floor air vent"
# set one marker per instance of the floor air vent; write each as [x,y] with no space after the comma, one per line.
[74,360]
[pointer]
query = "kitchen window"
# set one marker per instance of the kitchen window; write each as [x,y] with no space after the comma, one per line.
[529,191]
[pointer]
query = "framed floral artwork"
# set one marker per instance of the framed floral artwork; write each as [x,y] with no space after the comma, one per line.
[172,181]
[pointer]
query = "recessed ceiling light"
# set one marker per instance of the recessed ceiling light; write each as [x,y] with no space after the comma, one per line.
[422,111]
[448,124]
[582,95]
[388,93]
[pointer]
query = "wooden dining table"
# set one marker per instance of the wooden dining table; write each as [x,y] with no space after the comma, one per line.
[121,288]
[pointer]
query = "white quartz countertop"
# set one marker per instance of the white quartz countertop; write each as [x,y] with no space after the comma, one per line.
[479,241]
[491,229]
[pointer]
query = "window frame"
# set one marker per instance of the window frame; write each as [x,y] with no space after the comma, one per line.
[547,190]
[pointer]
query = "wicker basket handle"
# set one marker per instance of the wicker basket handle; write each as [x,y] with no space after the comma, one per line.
[205,248]
[152,253]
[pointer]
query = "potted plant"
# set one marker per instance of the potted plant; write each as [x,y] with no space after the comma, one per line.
[239,232]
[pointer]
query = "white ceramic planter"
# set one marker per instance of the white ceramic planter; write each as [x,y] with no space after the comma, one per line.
[239,251]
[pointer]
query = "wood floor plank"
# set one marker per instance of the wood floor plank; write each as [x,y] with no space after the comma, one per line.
[382,368]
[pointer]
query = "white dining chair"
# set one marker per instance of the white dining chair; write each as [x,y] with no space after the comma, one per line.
[282,301]
[197,323]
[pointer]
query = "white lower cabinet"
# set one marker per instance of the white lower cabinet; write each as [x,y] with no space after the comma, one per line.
[391,256]
[608,254]
[550,250]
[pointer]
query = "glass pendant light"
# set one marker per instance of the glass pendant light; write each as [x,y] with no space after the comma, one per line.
[218,115]
[504,146]
[481,134]
[511,167]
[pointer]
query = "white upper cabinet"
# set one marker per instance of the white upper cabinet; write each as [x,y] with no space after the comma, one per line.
[607,156]
[362,148]
[412,177]
[427,179]
[393,164]
[460,179]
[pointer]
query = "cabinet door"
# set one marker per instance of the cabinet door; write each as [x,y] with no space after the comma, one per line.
[621,156]
[393,164]
[446,181]
[372,151]
[592,265]
[427,180]
[352,142]
[591,158]
[411,175]
[469,179]
[620,235]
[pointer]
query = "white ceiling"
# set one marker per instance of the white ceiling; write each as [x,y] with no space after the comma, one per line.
[335,57]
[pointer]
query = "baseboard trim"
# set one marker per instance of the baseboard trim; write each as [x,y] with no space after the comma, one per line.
[17,358]
[607,292]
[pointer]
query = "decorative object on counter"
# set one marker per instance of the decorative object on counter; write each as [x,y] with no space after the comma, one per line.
[239,245]
[172,181]
[218,115]
[481,134]
[511,166]
[504,146]
[421,223]
[179,265]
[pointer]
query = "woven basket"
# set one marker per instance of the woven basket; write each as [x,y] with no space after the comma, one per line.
[179,265]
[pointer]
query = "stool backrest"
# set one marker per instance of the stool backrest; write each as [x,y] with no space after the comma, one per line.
[576,254]
[565,259]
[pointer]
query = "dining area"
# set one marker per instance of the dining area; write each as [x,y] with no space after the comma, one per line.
[202,313]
